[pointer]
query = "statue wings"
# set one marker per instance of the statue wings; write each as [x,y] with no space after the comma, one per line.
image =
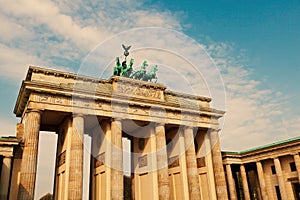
[125,48]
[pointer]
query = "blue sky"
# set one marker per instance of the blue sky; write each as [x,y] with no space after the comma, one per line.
[255,45]
[267,32]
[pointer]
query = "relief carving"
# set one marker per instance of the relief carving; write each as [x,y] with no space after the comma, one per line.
[81,103]
[138,91]
[146,111]
[44,98]
[58,100]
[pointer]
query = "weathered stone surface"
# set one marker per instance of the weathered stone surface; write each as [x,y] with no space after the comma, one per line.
[220,181]
[245,183]
[116,160]
[231,184]
[75,185]
[5,177]
[191,164]
[262,182]
[162,163]
[30,153]
[280,178]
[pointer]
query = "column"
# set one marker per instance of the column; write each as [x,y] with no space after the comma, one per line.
[231,183]
[29,157]
[245,182]
[75,185]
[183,163]
[5,177]
[153,160]
[162,163]
[116,160]
[191,164]
[280,178]
[219,174]
[210,170]
[297,162]
[261,178]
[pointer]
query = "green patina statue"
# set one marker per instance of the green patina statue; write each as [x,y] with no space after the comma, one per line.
[127,71]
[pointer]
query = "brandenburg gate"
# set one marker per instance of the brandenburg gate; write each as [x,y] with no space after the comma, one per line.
[174,143]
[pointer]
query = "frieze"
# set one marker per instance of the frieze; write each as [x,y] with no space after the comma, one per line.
[78,102]
[59,100]
[44,98]
[55,99]
[105,106]
[127,110]
[134,91]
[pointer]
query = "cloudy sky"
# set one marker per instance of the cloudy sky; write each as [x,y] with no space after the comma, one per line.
[254,46]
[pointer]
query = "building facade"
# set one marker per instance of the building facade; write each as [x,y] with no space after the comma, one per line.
[267,172]
[174,143]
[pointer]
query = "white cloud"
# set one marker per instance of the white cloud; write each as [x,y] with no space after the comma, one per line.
[47,13]
[12,30]
[254,114]
[14,62]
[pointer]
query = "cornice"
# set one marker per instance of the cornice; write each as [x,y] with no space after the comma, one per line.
[57,73]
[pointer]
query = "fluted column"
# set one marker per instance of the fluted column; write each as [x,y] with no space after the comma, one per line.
[5,177]
[280,178]
[231,183]
[30,153]
[191,164]
[220,181]
[116,160]
[245,182]
[75,185]
[261,179]
[297,163]
[162,163]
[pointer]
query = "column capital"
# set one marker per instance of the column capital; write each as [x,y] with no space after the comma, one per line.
[29,110]
[115,119]
[30,154]
[188,127]
[7,156]
[212,129]
[159,124]
[78,115]
[275,157]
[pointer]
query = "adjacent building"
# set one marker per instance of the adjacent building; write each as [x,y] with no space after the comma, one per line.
[267,172]
[10,160]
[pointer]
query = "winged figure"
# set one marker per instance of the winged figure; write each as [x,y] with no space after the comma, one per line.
[126,50]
